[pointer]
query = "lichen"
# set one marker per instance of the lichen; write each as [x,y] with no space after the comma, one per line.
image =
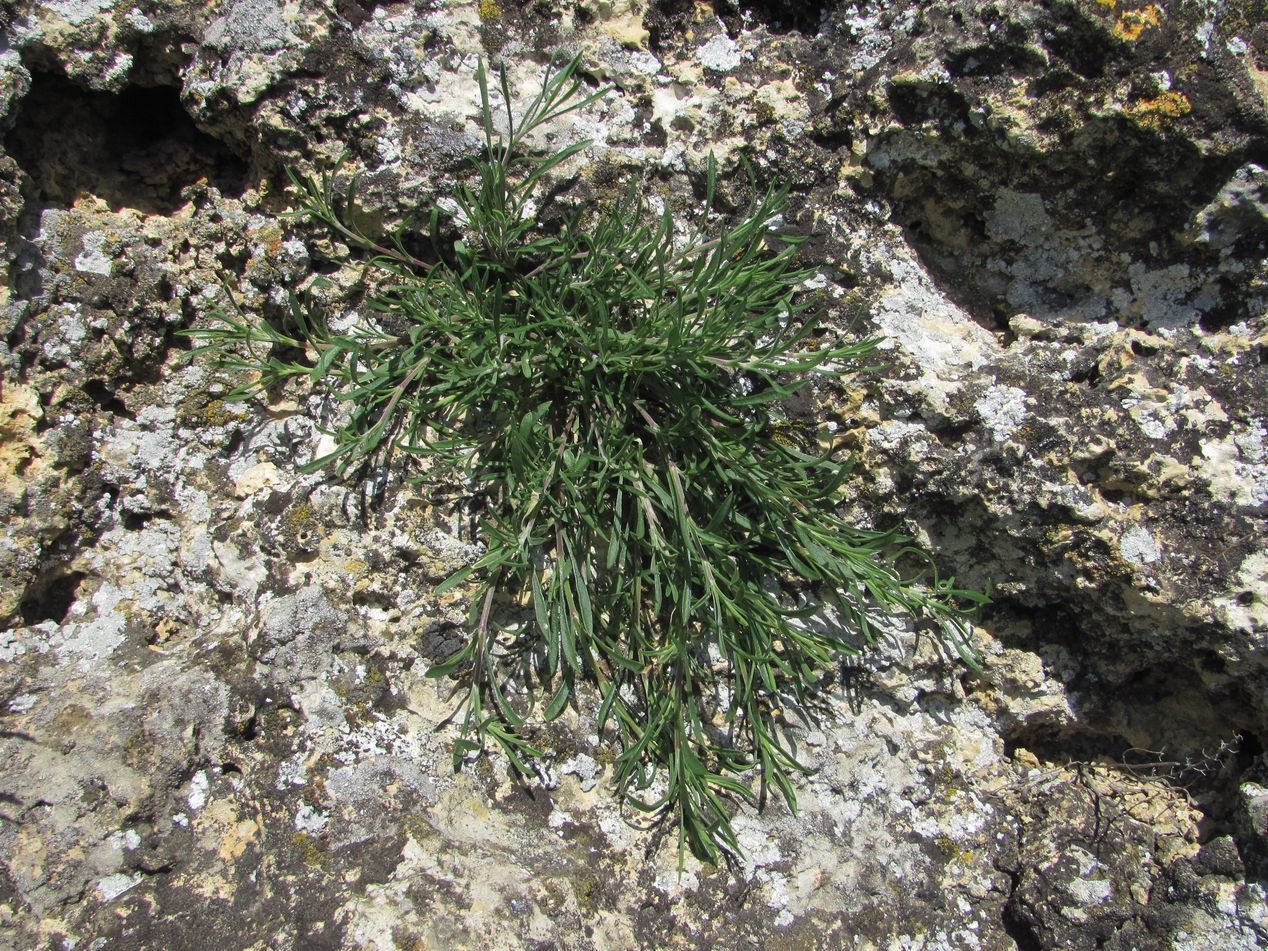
[310,850]
[201,409]
[1132,23]
[300,527]
[1159,112]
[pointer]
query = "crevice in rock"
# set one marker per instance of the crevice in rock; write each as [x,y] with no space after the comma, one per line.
[1075,38]
[1001,56]
[1209,775]
[1229,311]
[249,728]
[134,149]
[1066,744]
[135,521]
[1191,726]
[1016,925]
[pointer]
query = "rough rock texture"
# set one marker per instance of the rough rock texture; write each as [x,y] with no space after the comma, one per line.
[215,731]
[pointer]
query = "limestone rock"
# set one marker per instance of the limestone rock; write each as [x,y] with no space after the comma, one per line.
[215,723]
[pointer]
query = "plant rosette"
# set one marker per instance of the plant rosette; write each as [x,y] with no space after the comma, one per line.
[609,395]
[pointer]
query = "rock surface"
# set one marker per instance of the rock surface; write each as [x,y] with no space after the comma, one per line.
[215,727]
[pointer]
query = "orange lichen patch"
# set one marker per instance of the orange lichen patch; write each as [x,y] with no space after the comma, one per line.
[1132,23]
[20,448]
[1160,111]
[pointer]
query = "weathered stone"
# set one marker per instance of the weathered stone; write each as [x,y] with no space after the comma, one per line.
[214,716]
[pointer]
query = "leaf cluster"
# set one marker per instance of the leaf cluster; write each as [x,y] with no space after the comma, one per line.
[608,390]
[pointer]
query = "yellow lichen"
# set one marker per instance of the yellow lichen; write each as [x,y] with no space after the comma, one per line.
[236,839]
[201,410]
[952,851]
[489,10]
[310,851]
[1132,23]
[1160,111]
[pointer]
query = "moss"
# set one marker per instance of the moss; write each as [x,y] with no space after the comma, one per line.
[605,755]
[589,893]
[358,715]
[314,793]
[1240,17]
[417,828]
[375,679]
[946,780]
[361,696]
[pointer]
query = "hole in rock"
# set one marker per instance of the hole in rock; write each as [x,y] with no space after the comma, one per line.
[1095,225]
[357,12]
[778,16]
[133,149]
[135,521]
[52,600]
[101,394]
[1066,745]
[250,729]
[1209,772]
[668,21]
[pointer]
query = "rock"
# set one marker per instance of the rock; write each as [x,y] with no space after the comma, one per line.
[299,633]
[214,709]
[1252,821]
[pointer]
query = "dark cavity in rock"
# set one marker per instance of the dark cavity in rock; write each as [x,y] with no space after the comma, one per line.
[778,16]
[52,600]
[134,149]
[1104,227]
[667,21]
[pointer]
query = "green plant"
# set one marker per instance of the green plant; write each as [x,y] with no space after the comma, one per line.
[610,394]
